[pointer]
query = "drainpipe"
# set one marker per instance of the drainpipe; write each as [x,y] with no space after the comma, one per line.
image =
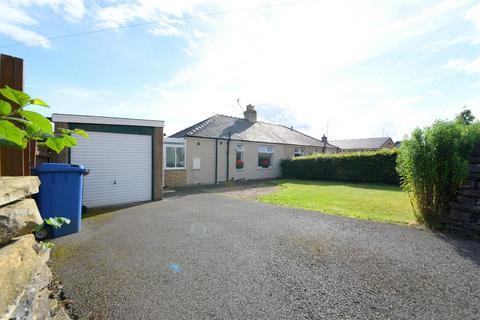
[228,154]
[216,160]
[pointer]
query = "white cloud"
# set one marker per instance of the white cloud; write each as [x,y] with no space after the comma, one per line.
[163,15]
[455,64]
[462,64]
[434,94]
[297,58]
[24,35]
[473,15]
[293,62]
[16,22]
[73,9]
[15,15]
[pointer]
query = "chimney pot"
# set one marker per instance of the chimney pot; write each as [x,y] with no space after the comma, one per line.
[250,114]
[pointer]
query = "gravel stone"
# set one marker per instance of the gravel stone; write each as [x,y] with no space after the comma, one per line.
[237,259]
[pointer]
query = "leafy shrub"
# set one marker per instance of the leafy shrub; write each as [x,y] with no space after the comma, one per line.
[432,165]
[370,166]
[18,125]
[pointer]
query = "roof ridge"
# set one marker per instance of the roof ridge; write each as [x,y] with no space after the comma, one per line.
[279,125]
[273,124]
[362,138]
[213,126]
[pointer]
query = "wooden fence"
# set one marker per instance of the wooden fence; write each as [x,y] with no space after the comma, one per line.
[15,162]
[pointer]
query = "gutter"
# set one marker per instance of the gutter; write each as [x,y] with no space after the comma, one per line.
[268,142]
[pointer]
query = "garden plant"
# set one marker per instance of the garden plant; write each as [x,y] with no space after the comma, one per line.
[433,163]
[18,126]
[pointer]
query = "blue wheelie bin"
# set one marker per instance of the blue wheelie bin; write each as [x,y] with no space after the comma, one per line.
[61,194]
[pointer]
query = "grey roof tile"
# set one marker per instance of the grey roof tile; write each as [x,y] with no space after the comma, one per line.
[220,126]
[367,143]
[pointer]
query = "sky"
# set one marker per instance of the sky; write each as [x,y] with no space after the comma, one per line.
[348,69]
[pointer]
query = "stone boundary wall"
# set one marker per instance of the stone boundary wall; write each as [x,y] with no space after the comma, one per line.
[464,215]
[24,274]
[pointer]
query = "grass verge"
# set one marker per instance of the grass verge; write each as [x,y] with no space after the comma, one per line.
[377,202]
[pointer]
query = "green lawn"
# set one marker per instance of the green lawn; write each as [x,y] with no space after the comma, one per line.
[364,201]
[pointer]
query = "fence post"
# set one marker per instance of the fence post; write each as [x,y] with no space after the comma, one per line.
[14,162]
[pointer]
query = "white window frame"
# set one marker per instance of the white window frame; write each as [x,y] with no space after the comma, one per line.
[240,148]
[175,147]
[298,152]
[265,150]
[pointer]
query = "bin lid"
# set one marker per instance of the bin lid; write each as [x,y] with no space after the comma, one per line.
[60,167]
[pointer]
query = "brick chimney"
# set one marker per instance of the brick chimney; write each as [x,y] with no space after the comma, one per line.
[250,114]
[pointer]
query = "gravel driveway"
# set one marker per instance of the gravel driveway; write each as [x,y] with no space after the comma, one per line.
[207,256]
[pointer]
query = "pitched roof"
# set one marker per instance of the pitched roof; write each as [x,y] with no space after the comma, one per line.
[220,126]
[363,144]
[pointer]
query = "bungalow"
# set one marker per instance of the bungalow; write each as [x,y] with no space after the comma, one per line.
[367,144]
[223,148]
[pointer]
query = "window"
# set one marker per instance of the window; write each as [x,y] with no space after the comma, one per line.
[265,156]
[239,163]
[175,157]
[298,152]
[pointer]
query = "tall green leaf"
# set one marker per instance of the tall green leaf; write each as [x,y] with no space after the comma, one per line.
[31,125]
[12,134]
[55,143]
[69,141]
[37,119]
[5,108]
[57,222]
[16,96]
[39,102]
[81,133]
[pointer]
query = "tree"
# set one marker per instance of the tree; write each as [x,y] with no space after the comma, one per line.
[465,117]
[18,125]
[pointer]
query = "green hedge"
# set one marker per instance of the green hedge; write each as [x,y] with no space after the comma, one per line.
[371,166]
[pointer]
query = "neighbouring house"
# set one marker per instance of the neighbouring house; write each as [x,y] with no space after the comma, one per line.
[223,148]
[124,157]
[367,144]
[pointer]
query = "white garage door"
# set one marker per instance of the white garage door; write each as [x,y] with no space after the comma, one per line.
[120,168]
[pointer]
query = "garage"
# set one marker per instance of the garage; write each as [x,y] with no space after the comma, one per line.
[124,157]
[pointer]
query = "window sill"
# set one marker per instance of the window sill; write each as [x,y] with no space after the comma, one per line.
[262,168]
[175,168]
